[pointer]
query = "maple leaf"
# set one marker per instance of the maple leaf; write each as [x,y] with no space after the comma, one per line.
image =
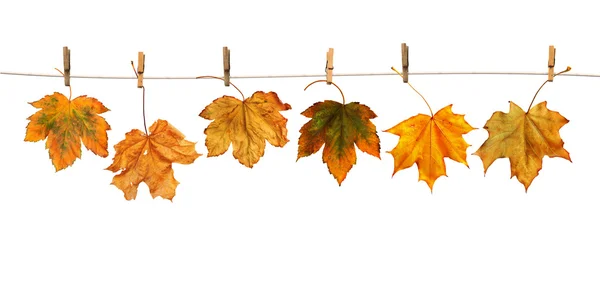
[525,138]
[339,127]
[66,123]
[245,124]
[427,140]
[149,158]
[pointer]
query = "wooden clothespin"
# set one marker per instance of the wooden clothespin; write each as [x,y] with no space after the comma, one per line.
[140,69]
[404,62]
[226,65]
[551,60]
[329,66]
[67,65]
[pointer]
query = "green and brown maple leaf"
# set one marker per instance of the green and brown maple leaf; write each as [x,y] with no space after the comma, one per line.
[339,127]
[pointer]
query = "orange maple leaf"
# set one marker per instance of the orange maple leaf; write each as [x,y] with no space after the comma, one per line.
[426,140]
[339,127]
[149,158]
[525,138]
[245,124]
[66,123]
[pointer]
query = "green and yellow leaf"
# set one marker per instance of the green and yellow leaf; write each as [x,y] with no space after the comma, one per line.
[66,124]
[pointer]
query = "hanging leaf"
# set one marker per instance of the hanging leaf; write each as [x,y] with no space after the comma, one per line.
[525,138]
[245,124]
[339,127]
[148,158]
[66,123]
[427,140]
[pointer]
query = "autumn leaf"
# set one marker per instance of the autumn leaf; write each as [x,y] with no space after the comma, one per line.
[245,124]
[148,158]
[339,127]
[525,138]
[427,140]
[66,123]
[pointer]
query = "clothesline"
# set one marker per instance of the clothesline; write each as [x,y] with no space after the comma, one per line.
[302,75]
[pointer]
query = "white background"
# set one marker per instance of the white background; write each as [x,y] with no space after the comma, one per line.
[285,220]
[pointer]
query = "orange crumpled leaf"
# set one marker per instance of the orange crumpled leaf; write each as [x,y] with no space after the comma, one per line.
[525,138]
[149,158]
[339,127]
[245,124]
[66,124]
[427,140]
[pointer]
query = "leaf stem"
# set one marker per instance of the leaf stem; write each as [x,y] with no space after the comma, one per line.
[70,90]
[143,100]
[215,77]
[413,88]
[321,80]
[538,91]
